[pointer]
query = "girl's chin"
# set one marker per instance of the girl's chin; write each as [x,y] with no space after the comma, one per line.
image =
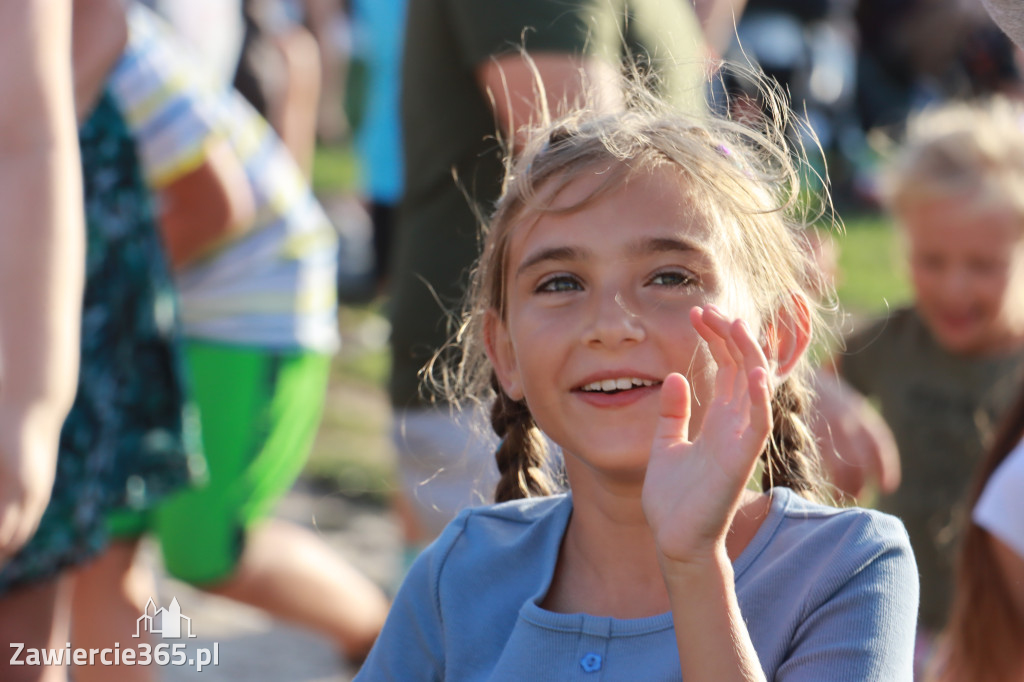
[627,461]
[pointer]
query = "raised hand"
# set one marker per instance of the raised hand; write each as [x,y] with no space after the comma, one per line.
[693,487]
[857,446]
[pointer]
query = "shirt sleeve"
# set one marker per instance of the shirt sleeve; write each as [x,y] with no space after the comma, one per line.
[171,112]
[1000,510]
[864,626]
[410,646]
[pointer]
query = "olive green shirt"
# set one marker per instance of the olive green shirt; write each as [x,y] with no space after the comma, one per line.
[942,409]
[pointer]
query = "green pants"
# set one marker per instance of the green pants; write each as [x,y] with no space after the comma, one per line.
[259,412]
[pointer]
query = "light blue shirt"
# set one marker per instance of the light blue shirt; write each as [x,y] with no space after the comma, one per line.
[827,594]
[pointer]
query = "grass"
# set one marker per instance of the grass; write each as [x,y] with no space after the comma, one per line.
[353,453]
[335,169]
[872,275]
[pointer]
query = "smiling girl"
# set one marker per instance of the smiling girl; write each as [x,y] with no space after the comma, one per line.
[639,302]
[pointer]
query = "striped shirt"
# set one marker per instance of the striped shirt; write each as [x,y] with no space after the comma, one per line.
[274,286]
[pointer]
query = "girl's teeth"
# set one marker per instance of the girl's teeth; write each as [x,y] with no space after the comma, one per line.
[608,385]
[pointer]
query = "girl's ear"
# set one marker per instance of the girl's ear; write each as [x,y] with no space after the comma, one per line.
[502,355]
[788,335]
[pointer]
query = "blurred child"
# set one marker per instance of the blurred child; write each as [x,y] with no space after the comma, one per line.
[944,370]
[640,301]
[255,260]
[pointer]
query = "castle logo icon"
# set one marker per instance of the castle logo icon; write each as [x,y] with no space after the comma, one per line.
[165,622]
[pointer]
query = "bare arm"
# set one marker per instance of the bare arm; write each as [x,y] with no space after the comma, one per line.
[512,83]
[718,19]
[99,35]
[206,207]
[692,491]
[41,256]
[857,446]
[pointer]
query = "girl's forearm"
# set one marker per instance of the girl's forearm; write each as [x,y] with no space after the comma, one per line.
[714,645]
[207,207]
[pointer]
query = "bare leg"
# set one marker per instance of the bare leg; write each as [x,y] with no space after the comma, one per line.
[110,594]
[285,570]
[37,617]
[291,573]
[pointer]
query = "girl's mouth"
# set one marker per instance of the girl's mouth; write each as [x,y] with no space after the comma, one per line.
[613,386]
[617,393]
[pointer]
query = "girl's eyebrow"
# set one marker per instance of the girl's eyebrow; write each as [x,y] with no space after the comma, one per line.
[555,253]
[637,248]
[660,245]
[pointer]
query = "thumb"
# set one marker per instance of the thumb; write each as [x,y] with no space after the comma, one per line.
[674,410]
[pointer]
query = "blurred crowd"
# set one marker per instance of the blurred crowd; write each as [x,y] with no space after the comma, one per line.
[169,281]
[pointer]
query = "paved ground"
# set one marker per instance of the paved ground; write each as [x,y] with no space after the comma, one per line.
[254,648]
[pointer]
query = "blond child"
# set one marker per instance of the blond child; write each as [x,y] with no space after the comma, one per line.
[944,370]
[639,302]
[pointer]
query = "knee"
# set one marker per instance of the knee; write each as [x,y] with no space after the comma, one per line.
[115,577]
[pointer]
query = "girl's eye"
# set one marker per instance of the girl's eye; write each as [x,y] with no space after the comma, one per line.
[673,278]
[559,283]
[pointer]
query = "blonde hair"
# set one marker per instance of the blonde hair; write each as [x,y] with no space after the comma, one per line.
[970,151]
[743,179]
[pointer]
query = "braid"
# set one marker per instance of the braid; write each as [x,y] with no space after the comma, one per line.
[791,455]
[522,453]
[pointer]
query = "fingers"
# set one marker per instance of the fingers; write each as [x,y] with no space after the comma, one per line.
[713,327]
[838,447]
[760,409]
[856,444]
[674,411]
[733,348]
[752,356]
[884,455]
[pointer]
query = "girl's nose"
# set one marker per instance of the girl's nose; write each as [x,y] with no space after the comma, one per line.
[613,321]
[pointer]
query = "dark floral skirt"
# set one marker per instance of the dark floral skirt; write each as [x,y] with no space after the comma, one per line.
[131,437]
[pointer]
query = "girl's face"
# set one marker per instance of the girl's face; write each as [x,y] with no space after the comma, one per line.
[966,267]
[597,315]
